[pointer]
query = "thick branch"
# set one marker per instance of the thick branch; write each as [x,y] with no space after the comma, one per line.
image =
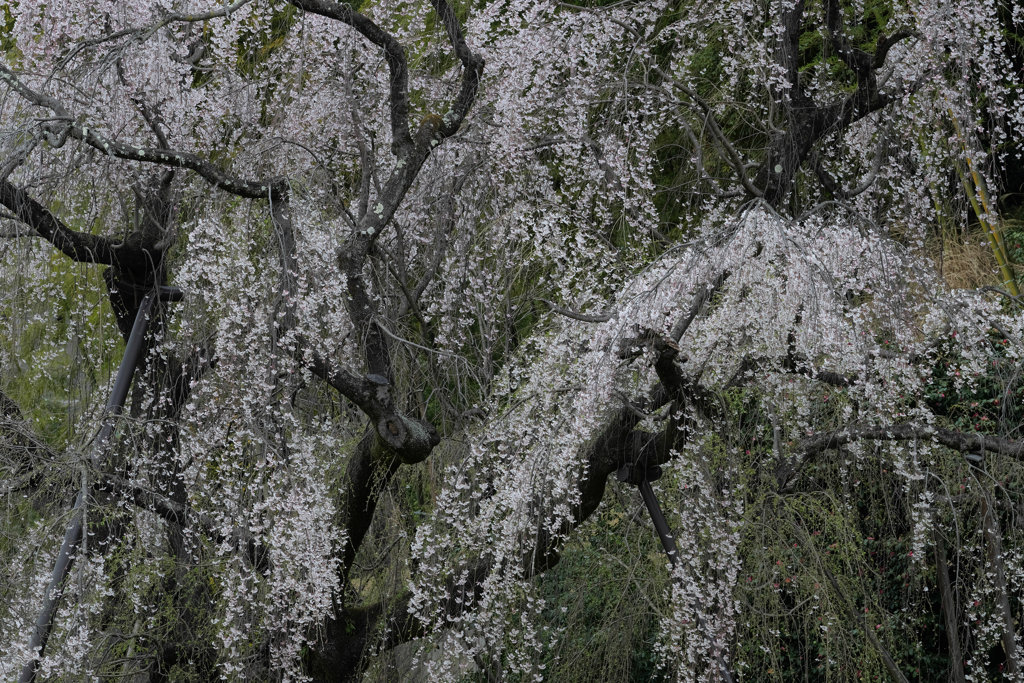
[859,61]
[809,448]
[385,624]
[432,131]
[699,302]
[180,515]
[410,439]
[957,441]
[78,246]
[949,609]
[473,69]
[808,122]
[394,53]
[582,317]
[394,428]
[789,49]
[997,572]
[886,43]
[274,188]
[612,448]
[357,501]
[369,470]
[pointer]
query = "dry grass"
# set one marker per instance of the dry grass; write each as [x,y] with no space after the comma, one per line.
[965,261]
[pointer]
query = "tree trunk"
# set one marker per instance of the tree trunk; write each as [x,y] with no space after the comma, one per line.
[993,541]
[949,611]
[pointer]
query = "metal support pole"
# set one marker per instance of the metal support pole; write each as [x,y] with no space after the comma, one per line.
[73,535]
[641,476]
[660,525]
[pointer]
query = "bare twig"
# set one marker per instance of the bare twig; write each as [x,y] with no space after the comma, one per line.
[854,615]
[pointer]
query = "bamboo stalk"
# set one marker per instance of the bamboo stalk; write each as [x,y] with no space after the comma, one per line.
[1009,281]
[985,211]
[986,204]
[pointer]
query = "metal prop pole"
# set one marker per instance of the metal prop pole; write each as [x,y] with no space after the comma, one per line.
[73,535]
[641,476]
